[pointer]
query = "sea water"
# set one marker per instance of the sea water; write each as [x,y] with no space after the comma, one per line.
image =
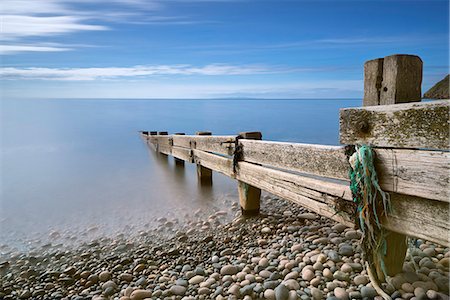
[76,164]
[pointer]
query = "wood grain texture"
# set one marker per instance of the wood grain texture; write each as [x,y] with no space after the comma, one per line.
[412,125]
[413,172]
[182,153]
[216,144]
[327,161]
[419,217]
[214,162]
[289,186]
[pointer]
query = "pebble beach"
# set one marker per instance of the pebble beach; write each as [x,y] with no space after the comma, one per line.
[284,253]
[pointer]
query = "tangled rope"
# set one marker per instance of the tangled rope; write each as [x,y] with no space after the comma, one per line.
[372,203]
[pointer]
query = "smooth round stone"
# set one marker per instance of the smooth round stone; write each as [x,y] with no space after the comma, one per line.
[318,266]
[109,284]
[355,295]
[140,294]
[368,292]
[339,275]
[297,247]
[204,291]
[339,227]
[419,293]
[266,230]
[346,250]
[307,274]
[126,277]
[104,276]
[234,290]
[215,259]
[281,292]
[315,282]
[178,290]
[361,279]
[196,279]
[246,290]
[346,268]
[270,284]
[322,240]
[316,294]
[265,274]
[269,294]
[407,287]
[327,273]
[263,262]
[432,294]
[352,234]
[291,275]
[334,256]
[429,251]
[341,293]
[181,282]
[331,285]
[228,270]
[291,284]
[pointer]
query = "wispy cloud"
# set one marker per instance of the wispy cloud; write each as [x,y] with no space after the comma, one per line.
[87,74]
[12,49]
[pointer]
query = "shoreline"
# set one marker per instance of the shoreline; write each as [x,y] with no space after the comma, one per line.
[285,253]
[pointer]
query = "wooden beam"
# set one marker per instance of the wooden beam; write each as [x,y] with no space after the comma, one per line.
[204,174]
[295,188]
[178,161]
[216,144]
[327,161]
[214,162]
[420,217]
[414,172]
[411,125]
[249,195]
[182,153]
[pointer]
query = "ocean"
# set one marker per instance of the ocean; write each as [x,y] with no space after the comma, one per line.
[80,166]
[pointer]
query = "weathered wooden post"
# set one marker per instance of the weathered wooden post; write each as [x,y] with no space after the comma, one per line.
[393,79]
[179,162]
[390,80]
[249,196]
[204,174]
[158,146]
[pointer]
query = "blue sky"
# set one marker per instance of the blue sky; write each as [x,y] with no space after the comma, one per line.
[212,48]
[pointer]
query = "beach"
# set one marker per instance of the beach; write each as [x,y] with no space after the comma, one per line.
[285,253]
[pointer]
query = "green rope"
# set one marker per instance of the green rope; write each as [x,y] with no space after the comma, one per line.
[372,203]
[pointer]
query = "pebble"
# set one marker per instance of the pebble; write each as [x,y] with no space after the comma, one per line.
[341,293]
[228,270]
[281,292]
[368,292]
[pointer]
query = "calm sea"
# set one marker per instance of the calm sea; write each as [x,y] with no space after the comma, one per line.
[77,164]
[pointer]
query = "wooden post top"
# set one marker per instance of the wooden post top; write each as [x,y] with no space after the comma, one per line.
[393,79]
[251,135]
[163,133]
[203,133]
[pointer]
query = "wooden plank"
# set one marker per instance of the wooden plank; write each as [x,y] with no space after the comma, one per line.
[216,144]
[288,186]
[419,173]
[327,161]
[214,162]
[167,150]
[411,125]
[419,217]
[182,153]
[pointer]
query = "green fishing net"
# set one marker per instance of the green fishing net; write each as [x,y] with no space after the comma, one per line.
[372,204]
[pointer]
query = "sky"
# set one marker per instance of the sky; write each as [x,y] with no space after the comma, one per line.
[212,48]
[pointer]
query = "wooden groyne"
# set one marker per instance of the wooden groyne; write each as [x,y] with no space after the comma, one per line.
[410,141]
